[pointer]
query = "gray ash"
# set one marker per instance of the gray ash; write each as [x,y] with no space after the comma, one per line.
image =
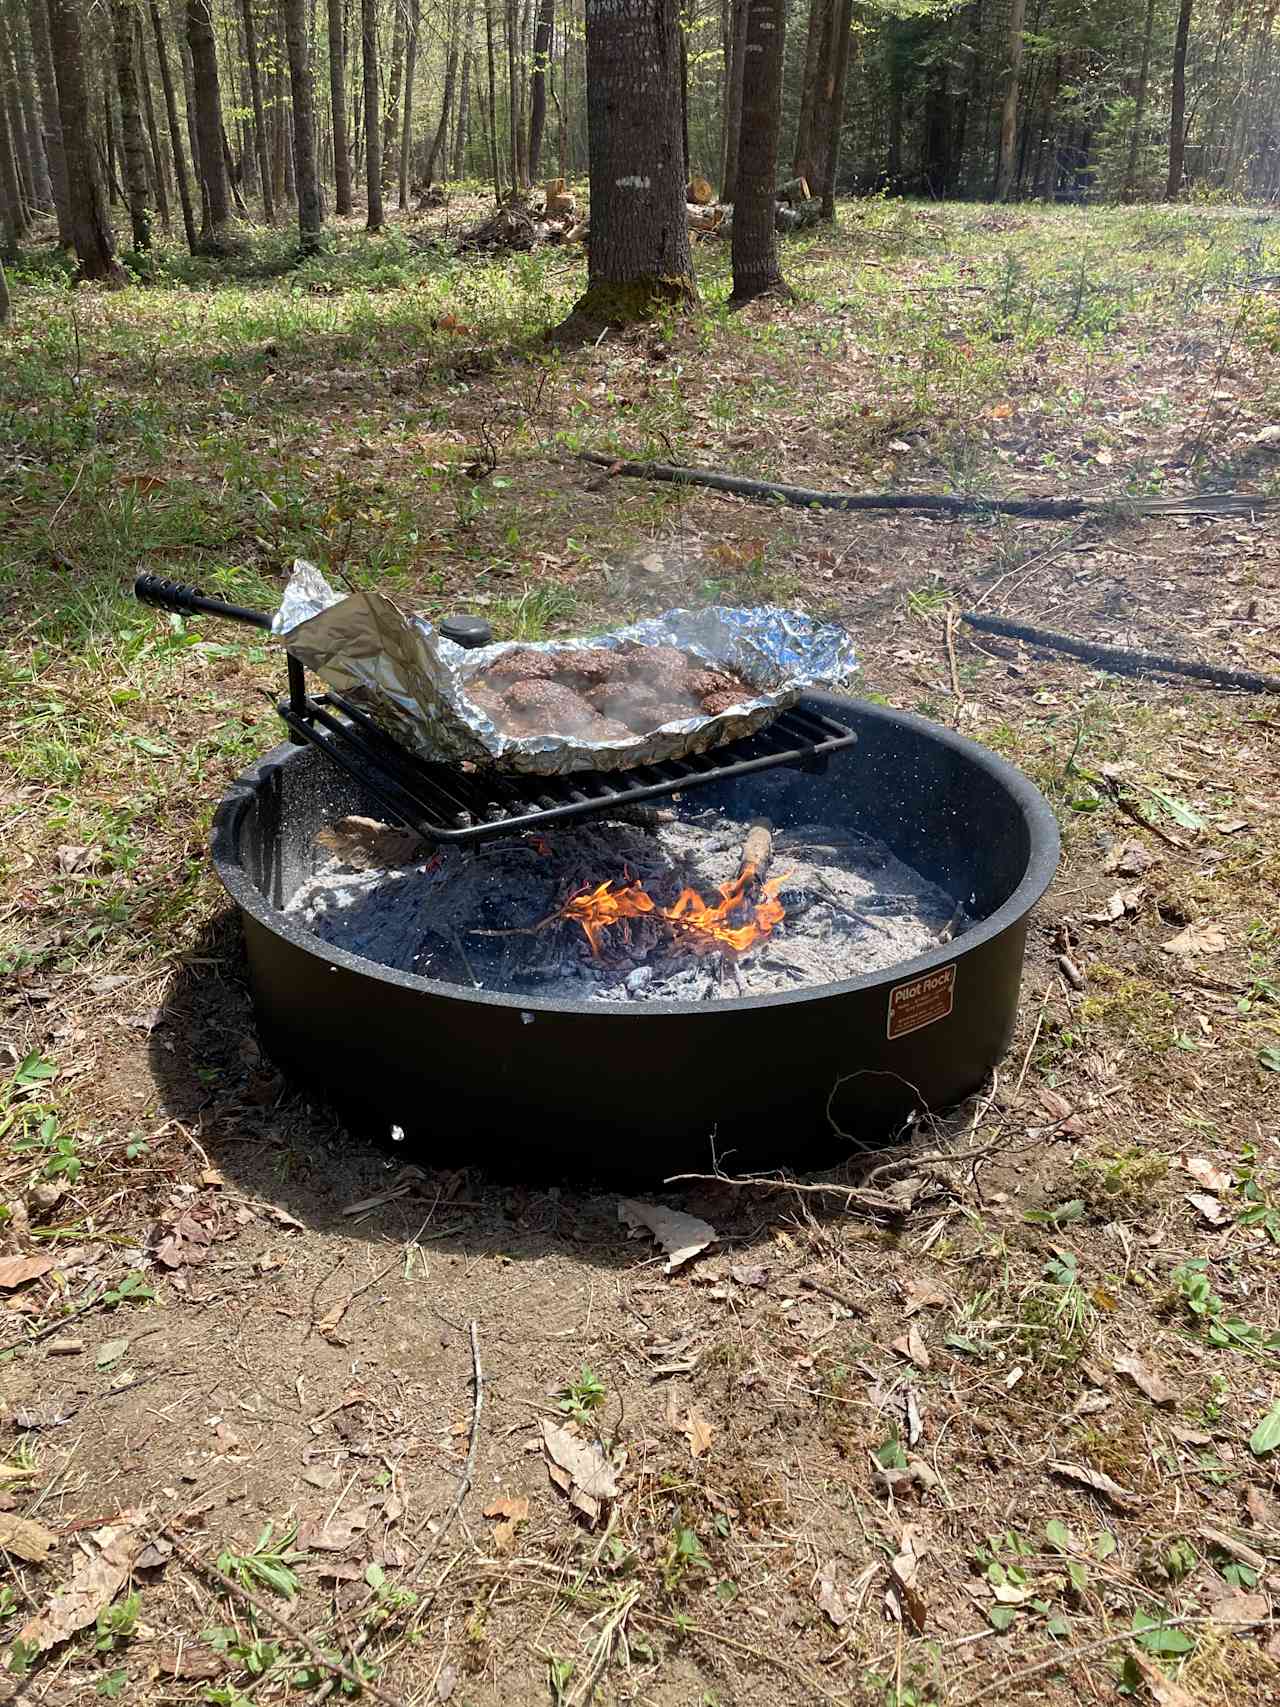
[487,916]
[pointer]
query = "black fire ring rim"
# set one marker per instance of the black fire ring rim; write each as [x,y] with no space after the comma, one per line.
[1042,866]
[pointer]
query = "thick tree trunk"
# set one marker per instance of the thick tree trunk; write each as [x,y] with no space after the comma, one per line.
[814,56]
[733,101]
[304,125]
[639,251]
[208,99]
[1009,107]
[372,149]
[259,112]
[538,83]
[17,219]
[436,152]
[175,129]
[1178,106]
[160,175]
[132,140]
[38,17]
[33,138]
[410,68]
[829,108]
[90,232]
[464,99]
[179,10]
[493,102]
[338,109]
[755,244]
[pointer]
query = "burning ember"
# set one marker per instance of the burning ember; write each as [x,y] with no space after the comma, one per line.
[698,926]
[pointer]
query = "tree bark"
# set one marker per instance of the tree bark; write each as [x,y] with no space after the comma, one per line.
[372,148]
[175,130]
[815,51]
[464,95]
[208,99]
[829,110]
[538,83]
[1139,105]
[493,103]
[132,140]
[259,112]
[733,101]
[5,309]
[410,69]
[338,110]
[1009,107]
[437,149]
[90,233]
[161,175]
[391,113]
[304,125]
[1178,106]
[33,138]
[513,117]
[755,243]
[639,255]
[11,198]
[38,17]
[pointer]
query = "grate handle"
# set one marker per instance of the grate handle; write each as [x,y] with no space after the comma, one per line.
[190,601]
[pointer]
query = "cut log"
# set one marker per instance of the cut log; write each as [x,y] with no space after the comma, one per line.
[703,218]
[794,190]
[699,192]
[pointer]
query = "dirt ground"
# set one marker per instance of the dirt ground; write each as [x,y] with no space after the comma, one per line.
[1003,1438]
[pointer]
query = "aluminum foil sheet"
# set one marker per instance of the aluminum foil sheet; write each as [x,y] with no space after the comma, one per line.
[413,681]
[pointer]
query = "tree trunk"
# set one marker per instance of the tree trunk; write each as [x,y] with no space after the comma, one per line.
[41,184]
[109,131]
[161,175]
[733,104]
[208,99]
[11,199]
[513,117]
[1178,107]
[259,113]
[132,140]
[639,251]
[684,98]
[4,283]
[410,69]
[755,244]
[304,125]
[538,83]
[338,110]
[90,232]
[814,56]
[372,147]
[38,17]
[493,102]
[1009,107]
[464,106]
[391,113]
[828,124]
[1140,105]
[175,129]
[437,149]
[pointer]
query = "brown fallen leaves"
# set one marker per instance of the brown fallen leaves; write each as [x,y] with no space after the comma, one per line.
[25,1538]
[92,1586]
[1164,1691]
[1197,939]
[681,1236]
[511,1512]
[1148,1381]
[17,1271]
[1098,1481]
[580,1469]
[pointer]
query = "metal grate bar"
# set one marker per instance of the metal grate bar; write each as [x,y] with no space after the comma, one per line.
[448,804]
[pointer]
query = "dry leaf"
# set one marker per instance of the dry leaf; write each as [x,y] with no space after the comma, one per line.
[1206,1174]
[189,1663]
[698,1431]
[1197,939]
[1000,411]
[1241,1609]
[923,1295]
[17,1271]
[512,1513]
[92,1586]
[904,1568]
[1207,1206]
[1129,859]
[749,1274]
[1164,1691]
[337,1534]
[1095,1479]
[1151,1383]
[833,1600]
[912,1347]
[25,1538]
[579,1468]
[1259,1509]
[1116,906]
[681,1236]
[1234,1549]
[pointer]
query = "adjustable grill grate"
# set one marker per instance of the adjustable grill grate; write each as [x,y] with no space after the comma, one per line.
[446,803]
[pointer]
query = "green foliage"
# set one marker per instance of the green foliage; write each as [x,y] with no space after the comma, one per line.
[580,1398]
[268,1563]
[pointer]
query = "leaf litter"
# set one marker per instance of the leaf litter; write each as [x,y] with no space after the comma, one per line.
[681,1236]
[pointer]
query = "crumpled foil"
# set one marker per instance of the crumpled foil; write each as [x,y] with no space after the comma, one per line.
[413,681]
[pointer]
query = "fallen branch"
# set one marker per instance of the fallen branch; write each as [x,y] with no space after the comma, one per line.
[1123,660]
[935,503]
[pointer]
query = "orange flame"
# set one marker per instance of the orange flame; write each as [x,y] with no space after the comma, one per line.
[701,927]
